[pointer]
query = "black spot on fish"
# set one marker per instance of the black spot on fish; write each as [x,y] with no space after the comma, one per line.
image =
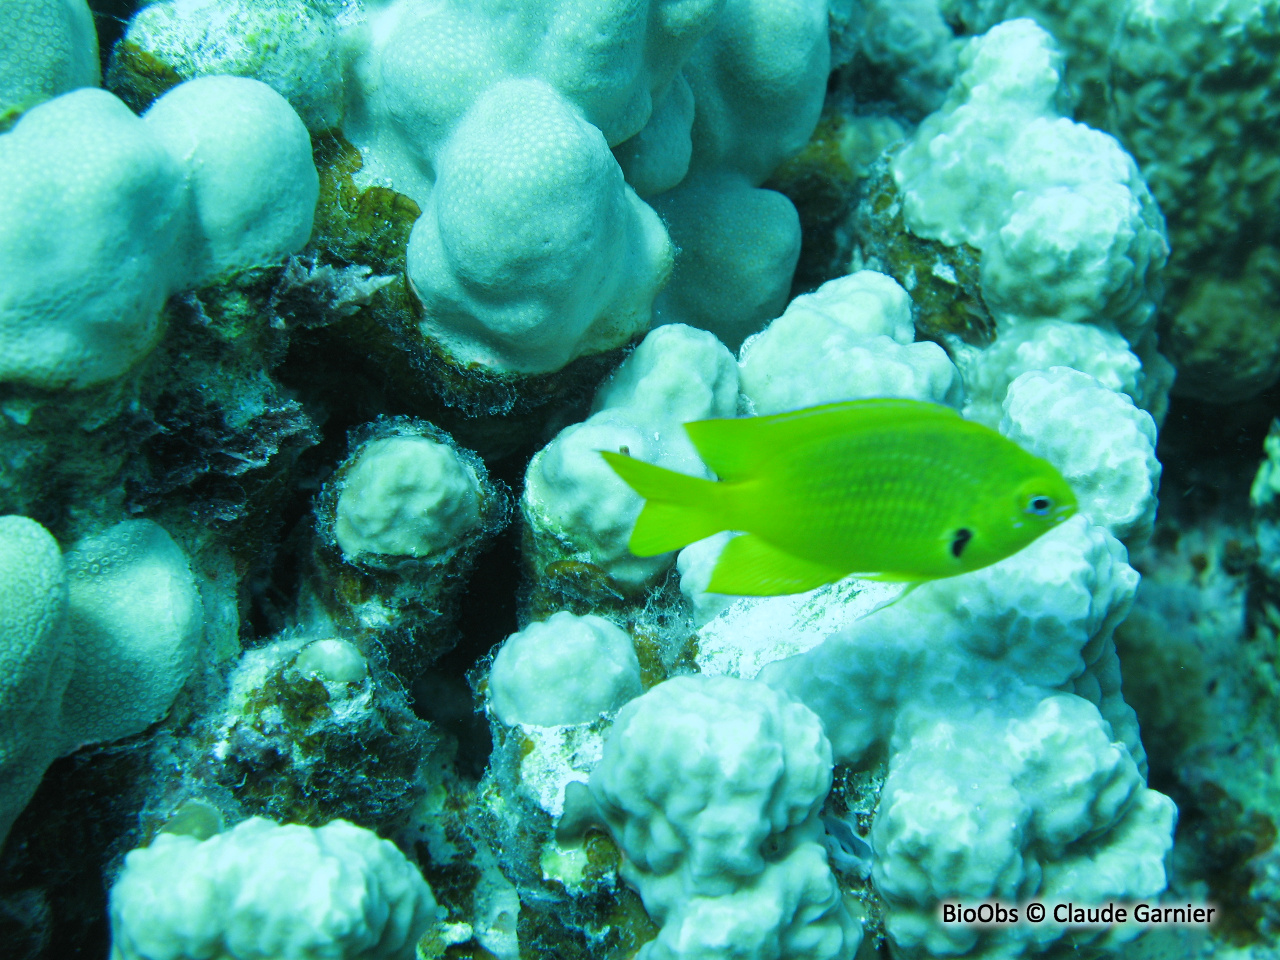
[960,541]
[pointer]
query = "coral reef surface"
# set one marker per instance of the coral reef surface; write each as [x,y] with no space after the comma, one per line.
[321,635]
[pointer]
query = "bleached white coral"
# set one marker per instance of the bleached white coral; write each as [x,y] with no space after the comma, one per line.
[336,892]
[333,660]
[739,247]
[531,249]
[758,81]
[1086,32]
[1102,354]
[1064,815]
[711,786]
[1066,225]
[1001,684]
[737,636]
[303,62]
[91,207]
[135,617]
[572,492]
[566,669]
[93,646]
[47,47]
[251,183]
[677,374]
[1101,443]
[1034,621]
[407,496]
[103,215]
[35,659]
[851,338]
[419,67]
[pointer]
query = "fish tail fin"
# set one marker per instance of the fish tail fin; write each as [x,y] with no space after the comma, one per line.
[676,510]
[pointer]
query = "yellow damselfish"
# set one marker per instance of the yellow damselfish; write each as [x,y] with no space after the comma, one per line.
[897,490]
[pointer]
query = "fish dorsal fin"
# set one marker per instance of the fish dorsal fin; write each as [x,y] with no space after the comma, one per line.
[751,567]
[736,449]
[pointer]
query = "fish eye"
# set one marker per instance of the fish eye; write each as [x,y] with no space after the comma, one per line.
[960,540]
[1040,506]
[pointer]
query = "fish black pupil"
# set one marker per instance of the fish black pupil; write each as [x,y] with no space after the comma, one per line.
[1040,505]
[960,541]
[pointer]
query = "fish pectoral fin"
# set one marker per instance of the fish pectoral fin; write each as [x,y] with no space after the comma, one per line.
[892,600]
[752,567]
[888,577]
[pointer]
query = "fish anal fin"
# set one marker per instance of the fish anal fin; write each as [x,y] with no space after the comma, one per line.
[752,567]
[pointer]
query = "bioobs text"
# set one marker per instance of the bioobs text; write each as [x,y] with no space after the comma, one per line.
[994,913]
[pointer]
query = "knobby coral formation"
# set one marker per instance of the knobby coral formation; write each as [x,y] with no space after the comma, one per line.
[295,315]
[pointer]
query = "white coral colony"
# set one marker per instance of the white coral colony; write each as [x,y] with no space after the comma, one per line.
[539,147]
[293,315]
[406,496]
[103,215]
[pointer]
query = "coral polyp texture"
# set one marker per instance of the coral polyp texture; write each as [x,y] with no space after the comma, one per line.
[321,635]
[852,338]
[399,526]
[574,506]
[944,674]
[50,47]
[406,496]
[1065,225]
[266,890]
[97,643]
[534,246]
[106,214]
[711,787]
[531,249]
[529,682]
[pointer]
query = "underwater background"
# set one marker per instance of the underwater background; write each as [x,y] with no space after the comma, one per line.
[320,634]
